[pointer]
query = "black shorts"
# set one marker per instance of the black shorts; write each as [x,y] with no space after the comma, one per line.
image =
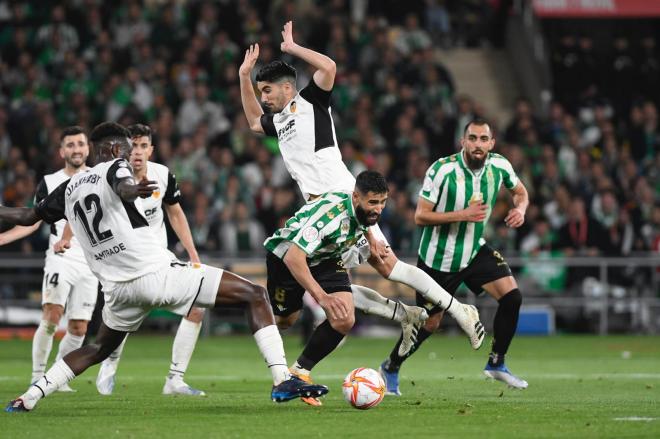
[487,266]
[286,294]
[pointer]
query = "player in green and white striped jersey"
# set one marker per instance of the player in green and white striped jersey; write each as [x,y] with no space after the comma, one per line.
[455,202]
[306,255]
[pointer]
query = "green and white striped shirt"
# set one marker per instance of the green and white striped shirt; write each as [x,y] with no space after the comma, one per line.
[451,186]
[324,229]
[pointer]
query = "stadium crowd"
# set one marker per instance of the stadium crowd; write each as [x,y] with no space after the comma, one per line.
[592,166]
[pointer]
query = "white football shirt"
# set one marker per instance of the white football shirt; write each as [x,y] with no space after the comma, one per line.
[115,236]
[168,192]
[308,143]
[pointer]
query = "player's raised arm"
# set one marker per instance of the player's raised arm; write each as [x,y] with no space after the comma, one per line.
[50,209]
[251,106]
[326,69]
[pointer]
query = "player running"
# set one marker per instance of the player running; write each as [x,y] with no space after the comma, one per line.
[163,200]
[68,282]
[454,205]
[137,274]
[302,122]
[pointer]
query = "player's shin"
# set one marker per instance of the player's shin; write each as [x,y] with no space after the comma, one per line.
[323,341]
[271,347]
[55,377]
[425,285]
[69,343]
[504,325]
[183,347]
[42,343]
[371,302]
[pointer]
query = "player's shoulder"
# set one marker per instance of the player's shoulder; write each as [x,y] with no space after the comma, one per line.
[498,160]
[158,171]
[443,165]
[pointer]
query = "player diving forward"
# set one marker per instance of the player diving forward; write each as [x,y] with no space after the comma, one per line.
[68,283]
[165,199]
[303,124]
[137,274]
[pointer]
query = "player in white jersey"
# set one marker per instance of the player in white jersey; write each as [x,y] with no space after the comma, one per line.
[68,283]
[103,207]
[165,199]
[302,122]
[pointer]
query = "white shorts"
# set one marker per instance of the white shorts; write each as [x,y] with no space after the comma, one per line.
[176,288]
[72,286]
[360,252]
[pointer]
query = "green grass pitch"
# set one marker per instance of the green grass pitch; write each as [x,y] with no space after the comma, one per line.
[579,387]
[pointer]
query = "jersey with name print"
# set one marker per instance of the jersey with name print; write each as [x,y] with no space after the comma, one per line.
[168,192]
[75,253]
[115,236]
[306,136]
[324,229]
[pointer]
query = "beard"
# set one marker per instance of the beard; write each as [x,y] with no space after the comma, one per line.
[365,219]
[475,162]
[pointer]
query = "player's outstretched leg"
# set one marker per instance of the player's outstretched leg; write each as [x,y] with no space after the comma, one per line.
[466,316]
[182,350]
[105,380]
[66,369]
[235,290]
[410,317]
[504,328]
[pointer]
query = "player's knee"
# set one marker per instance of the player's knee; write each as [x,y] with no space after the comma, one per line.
[78,327]
[344,325]
[433,322]
[53,313]
[196,315]
[512,299]
[285,322]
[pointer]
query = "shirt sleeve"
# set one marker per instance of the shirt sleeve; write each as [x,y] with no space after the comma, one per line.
[509,176]
[172,194]
[41,192]
[118,171]
[430,190]
[314,94]
[268,125]
[51,208]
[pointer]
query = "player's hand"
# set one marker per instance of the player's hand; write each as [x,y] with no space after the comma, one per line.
[195,259]
[61,246]
[287,43]
[475,213]
[334,307]
[251,56]
[379,250]
[145,188]
[515,218]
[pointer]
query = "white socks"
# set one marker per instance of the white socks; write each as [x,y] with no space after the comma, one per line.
[110,364]
[42,343]
[56,376]
[271,346]
[427,287]
[371,302]
[68,344]
[183,347]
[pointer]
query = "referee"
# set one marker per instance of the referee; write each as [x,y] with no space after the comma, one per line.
[454,204]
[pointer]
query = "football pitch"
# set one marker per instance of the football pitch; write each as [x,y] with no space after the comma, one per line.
[579,386]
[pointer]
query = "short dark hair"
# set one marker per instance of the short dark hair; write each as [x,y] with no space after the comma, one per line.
[371,181]
[109,130]
[276,70]
[480,121]
[139,130]
[72,131]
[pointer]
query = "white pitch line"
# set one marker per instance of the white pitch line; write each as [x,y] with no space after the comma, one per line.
[636,419]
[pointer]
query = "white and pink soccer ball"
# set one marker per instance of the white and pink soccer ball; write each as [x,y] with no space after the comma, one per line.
[363,388]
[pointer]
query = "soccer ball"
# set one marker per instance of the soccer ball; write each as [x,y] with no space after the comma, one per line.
[363,388]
